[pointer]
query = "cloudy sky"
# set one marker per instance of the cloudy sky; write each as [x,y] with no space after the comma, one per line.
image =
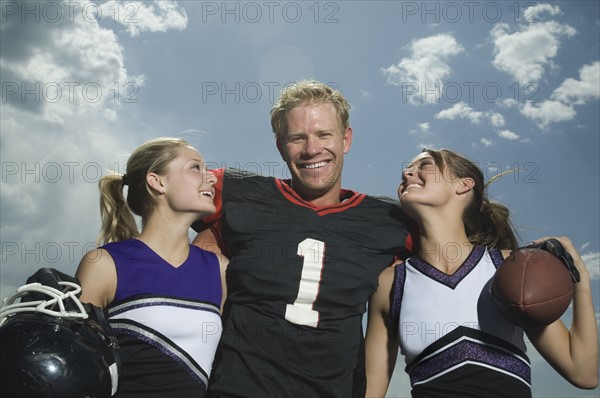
[512,85]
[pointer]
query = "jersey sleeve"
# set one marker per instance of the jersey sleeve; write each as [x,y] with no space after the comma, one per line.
[408,246]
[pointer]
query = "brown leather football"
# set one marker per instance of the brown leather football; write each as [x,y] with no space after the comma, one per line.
[532,288]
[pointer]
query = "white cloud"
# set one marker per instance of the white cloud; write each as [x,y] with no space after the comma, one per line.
[525,53]
[509,135]
[496,119]
[592,262]
[571,92]
[486,142]
[461,111]
[580,91]
[139,16]
[508,103]
[61,137]
[71,67]
[421,74]
[423,127]
[548,112]
[533,11]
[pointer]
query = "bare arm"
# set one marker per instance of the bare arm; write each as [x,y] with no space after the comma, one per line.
[573,352]
[98,277]
[223,263]
[381,341]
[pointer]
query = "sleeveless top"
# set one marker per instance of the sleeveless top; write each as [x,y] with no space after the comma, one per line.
[165,315]
[452,336]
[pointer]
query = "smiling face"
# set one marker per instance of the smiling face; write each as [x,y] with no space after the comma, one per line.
[314,148]
[424,184]
[188,185]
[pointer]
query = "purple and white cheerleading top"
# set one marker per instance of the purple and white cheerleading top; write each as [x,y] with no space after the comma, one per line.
[173,309]
[450,332]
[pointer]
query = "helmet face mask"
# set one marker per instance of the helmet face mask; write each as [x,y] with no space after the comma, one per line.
[57,347]
[38,298]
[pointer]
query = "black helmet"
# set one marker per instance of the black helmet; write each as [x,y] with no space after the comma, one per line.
[55,347]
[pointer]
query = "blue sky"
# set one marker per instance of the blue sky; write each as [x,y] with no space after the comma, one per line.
[509,84]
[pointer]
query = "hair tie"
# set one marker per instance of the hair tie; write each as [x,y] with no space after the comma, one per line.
[125,179]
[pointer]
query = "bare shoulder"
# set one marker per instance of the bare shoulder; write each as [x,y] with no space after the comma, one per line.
[380,301]
[96,260]
[386,278]
[97,274]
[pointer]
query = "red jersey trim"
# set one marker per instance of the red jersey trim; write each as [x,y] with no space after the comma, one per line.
[353,199]
[214,220]
[218,199]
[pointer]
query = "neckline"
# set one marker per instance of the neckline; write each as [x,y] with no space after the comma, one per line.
[162,260]
[455,278]
[348,199]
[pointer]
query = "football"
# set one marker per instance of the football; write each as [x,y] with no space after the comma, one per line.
[532,288]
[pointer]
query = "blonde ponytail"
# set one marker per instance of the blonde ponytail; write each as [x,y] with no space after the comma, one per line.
[118,222]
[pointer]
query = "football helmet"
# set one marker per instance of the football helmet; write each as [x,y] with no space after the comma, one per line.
[55,346]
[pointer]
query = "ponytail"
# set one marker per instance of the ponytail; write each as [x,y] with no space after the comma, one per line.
[118,222]
[493,227]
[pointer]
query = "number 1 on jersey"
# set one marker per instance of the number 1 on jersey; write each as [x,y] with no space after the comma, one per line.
[301,312]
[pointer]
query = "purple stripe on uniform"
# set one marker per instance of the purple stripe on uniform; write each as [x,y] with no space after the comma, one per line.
[470,351]
[166,346]
[398,292]
[449,280]
[156,301]
[496,257]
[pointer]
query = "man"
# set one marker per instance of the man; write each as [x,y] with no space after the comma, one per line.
[305,256]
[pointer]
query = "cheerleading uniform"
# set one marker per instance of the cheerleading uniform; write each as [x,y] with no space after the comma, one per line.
[454,340]
[167,320]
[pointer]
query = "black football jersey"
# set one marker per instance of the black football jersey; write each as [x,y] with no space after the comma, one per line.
[298,282]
